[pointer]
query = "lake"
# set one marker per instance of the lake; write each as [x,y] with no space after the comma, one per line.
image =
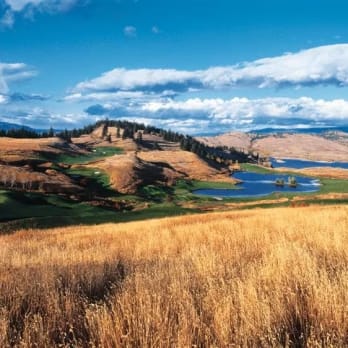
[257,185]
[300,164]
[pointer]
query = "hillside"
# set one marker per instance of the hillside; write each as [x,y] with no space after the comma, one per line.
[96,174]
[241,278]
[330,146]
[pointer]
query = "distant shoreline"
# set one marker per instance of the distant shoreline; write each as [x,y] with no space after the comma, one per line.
[306,160]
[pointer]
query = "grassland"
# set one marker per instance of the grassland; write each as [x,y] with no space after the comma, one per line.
[260,278]
[96,154]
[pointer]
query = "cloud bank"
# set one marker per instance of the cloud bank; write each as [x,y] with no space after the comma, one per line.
[197,115]
[324,65]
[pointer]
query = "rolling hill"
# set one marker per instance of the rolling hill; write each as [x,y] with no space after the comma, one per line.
[327,146]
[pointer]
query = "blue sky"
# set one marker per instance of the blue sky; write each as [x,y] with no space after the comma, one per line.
[192,65]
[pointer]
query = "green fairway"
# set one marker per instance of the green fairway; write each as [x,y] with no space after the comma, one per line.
[96,154]
[23,210]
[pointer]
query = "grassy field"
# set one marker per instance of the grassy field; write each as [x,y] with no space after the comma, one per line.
[96,154]
[260,278]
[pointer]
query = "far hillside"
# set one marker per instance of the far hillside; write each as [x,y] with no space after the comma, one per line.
[325,146]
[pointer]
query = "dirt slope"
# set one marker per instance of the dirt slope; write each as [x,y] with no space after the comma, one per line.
[24,179]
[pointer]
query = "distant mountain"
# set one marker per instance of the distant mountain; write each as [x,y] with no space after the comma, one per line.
[5,126]
[9,126]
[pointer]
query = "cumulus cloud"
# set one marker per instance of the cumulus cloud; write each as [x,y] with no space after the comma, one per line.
[236,113]
[155,29]
[48,5]
[29,7]
[324,65]
[41,118]
[130,31]
[7,20]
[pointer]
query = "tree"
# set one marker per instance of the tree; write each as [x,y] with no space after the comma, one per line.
[139,137]
[50,133]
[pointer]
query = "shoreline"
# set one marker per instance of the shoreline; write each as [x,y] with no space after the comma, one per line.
[306,160]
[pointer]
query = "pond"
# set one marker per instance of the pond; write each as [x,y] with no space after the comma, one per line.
[300,164]
[257,185]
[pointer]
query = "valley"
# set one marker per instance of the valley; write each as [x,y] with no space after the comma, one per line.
[101,176]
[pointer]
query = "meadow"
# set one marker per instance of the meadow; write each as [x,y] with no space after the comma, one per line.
[256,278]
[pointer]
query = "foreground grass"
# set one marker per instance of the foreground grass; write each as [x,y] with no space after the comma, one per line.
[261,278]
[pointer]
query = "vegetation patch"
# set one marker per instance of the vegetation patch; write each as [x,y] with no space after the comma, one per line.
[95,154]
[202,281]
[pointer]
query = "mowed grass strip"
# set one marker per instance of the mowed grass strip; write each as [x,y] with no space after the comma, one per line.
[260,278]
[96,154]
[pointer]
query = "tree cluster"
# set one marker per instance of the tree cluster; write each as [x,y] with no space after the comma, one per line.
[24,133]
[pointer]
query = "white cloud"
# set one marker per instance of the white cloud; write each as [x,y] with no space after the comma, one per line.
[49,5]
[12,72]
[237,113]
[29,7]
[244,108]
[7,19]
[155,29]
[130,31]
[325,65]
[133,96]
[41,118]
[3,99]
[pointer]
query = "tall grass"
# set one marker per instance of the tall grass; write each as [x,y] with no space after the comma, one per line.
[261,278]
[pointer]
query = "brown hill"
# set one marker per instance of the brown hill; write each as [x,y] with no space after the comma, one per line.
[307,146]
[187,164]
[25,179]
[13,151]
[129,171]
[238,140]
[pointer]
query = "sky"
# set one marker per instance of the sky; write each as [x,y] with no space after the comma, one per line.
[194,66]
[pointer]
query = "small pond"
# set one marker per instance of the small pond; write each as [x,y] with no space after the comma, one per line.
[256,185]
[300,164]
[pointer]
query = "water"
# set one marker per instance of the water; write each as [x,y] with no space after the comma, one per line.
[257,185]
[300,164]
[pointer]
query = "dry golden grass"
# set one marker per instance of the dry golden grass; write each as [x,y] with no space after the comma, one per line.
[26,179]
[307,146]
[261,278]
[45,144]
[187,163]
